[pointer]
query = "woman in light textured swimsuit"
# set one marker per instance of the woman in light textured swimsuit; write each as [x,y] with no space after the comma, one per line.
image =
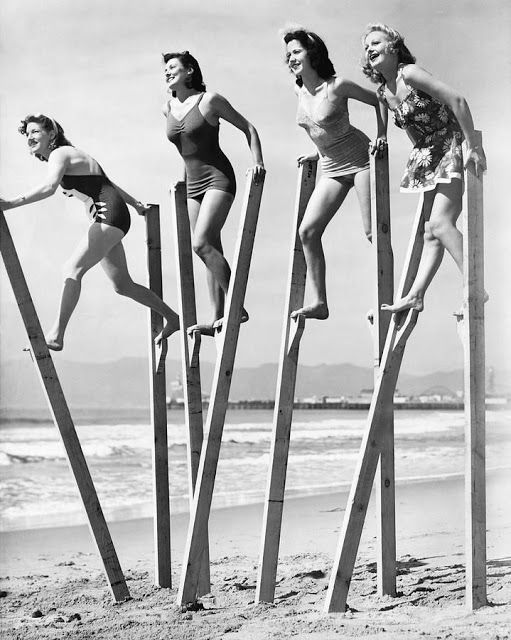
[436,118]
[193,116]
[105,203]
[343,150]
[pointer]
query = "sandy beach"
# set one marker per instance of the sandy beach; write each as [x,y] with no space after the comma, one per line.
[52,584]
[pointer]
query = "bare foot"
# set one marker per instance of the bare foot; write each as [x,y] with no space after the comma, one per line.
[203,329]
[54,344]
[317,311]
[171,326]
[408,302]
[218,324]
[53,341]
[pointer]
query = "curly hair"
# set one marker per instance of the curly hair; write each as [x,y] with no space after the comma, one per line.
[189,62]
[48,124]
[396,45]
[316,50]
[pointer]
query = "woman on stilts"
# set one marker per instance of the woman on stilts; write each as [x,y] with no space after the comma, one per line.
[437,119]
[343,151]
[193,119]
[80,175]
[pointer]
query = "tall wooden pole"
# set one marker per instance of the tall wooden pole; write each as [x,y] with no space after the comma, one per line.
[385,492]
[163,574]
[62,417]
[475,390]
[191,380]
[380,413]
[286,382]
[203,495]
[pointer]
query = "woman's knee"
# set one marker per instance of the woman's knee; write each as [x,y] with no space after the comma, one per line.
[201,245]
[309,233]
[440,227]
[122,286]
[431,233]
[72,271]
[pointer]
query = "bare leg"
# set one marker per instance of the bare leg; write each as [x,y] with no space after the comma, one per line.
[208,218]
[363,191]
[440,233]
[115,267]
[326,199]
[98,241]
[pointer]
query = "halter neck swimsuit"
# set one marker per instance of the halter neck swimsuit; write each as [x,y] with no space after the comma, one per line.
[103,203]
[207,167]
[343,149]
[437,155]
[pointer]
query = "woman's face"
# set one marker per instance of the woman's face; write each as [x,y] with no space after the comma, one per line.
[297,57]
[176,74]
[376,47]
[38,139]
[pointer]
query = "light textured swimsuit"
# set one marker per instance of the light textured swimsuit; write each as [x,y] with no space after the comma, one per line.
[207,167]
[343,149]
[103,203]
[436,156]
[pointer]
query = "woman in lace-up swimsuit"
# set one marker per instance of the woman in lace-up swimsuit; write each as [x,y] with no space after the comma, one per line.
[436,119]
[81,176]
[193,116]
[343,151]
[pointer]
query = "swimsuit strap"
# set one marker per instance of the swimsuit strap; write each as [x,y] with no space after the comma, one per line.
[169,109]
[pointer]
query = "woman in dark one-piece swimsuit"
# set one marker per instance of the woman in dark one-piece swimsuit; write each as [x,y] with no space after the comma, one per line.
[193,116]
[105,203]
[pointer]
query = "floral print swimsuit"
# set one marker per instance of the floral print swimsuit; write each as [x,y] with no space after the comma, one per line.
[436,156]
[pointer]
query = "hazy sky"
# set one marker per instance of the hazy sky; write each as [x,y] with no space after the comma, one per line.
[95,66]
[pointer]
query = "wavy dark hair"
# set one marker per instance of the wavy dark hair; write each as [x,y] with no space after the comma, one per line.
[396,45]
[316,50]
[189,62]
[48,124]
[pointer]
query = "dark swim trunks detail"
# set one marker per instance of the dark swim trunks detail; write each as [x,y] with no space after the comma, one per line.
[103,203]
[207,167]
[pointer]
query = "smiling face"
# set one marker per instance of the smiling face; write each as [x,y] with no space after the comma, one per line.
[377,48]
[297,58]
[38,139]
[176,74]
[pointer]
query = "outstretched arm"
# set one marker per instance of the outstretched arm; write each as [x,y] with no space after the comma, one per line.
[420,79]
[57,165]
[225,110]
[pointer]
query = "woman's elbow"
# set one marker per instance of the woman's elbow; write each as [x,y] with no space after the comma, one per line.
[50,189]
[251,131]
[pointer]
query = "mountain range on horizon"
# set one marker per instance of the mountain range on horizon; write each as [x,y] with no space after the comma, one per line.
[125,383]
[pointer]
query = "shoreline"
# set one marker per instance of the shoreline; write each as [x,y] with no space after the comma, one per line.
[240,515]
[58,573]
[180,504]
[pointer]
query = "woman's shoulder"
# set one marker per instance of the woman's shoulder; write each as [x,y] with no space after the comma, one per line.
[64,153]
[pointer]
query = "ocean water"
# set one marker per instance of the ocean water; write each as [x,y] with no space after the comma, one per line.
[38,490]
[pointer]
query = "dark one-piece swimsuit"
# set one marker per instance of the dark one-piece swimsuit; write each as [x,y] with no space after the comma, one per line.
[103,203]
[207,167]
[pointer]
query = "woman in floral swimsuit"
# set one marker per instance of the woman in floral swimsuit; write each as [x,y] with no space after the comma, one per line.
[436,119]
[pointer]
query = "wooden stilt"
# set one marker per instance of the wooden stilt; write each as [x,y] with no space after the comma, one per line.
[62,417]
[380,413]
[190,347]
[199,516]
[475,388]
[286,381]
[385,492]
[163,574]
